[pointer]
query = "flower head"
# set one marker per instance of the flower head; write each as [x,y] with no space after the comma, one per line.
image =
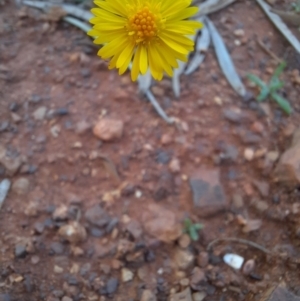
[149,33]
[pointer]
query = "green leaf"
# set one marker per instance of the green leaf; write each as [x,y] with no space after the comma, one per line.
[198,226]
[194,234]
[263,94]
[192,229]
[283,103]
[187,224]
[279,70]
[275,85]
[257,81]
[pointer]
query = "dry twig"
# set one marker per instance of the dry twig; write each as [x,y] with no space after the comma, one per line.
[239,240]
[268,51]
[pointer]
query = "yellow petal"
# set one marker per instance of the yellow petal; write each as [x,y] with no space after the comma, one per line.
[184,14]
[175,7]
[112,47]
[174,45]
[127,52]
[167,54]
[178,38]
[93,33]
[155,68]
[108,26]
[124,67]
[105,37]
[161,61]
[173,53]
[114,20]
[113,62]
[143,60]
[135,70]
[110,7]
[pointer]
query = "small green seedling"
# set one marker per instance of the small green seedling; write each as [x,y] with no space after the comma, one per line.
[296,6]
[271,89]
[192,229]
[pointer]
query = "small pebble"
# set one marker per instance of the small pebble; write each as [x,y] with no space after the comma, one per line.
[127,275]
[35,259]
[249,154]
[239,32]
[248,266]
[112,285]
[218,101]
[184,241]
[233,260]
[57,269]
[185,282]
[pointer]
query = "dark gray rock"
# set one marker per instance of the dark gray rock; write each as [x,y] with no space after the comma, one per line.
[5,297]
[4,125]
[112,285]
[85,269]
[233,115]
[163,157]
[35,98]
[57,293]
[39,227]
[13,107]
[28,283]
[57,248]
[28,169]
[111,225]
[85,72]
[164,187]
[97,216]
[61,112]
[248,137]
[208,193]
[20,250]
[95,232]
[135,229]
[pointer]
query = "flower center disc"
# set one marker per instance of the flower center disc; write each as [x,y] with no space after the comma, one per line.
[143,25]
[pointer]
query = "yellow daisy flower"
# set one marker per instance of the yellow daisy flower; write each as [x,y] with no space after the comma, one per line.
[149,33]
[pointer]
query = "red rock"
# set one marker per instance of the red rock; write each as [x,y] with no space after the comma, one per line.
[108,129]
[288,168]
[257,127]
[248,266]
[198,275]
[203,259]
[161,223]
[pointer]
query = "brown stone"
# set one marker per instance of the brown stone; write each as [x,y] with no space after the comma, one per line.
[73,232]
[184,241]
[108,129]
[203,259]
[148,295]
[21,186]
[183,259]
[182,296]
[288,168]
[161,223]
[262,187]
[198,275]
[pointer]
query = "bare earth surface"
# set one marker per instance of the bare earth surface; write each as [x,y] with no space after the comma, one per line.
[97,213]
